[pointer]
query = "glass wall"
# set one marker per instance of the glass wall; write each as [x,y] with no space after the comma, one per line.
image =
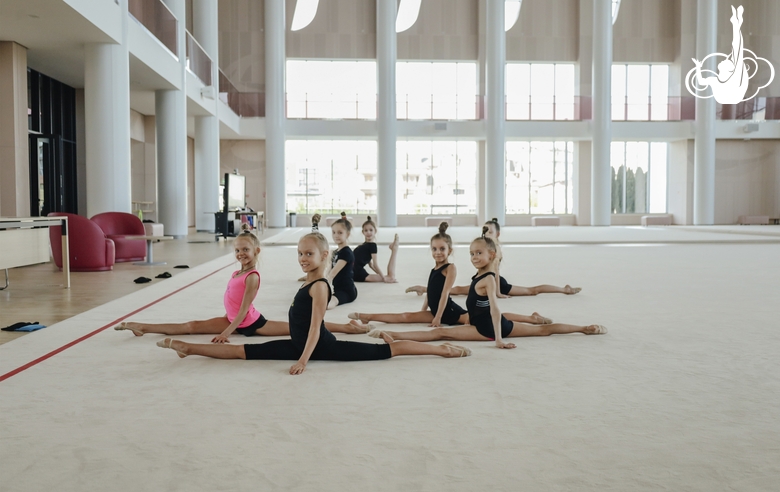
[330,176]
[331,89]
[436,177]
[640,92]
[539,177]
[540,91]
[436,90]
[639,177]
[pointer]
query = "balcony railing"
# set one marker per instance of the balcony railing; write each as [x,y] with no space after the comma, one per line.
[198,61]
[577,108]
[157,18]
[248,104]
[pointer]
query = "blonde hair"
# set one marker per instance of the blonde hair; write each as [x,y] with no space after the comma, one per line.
[322,243]
[250,236]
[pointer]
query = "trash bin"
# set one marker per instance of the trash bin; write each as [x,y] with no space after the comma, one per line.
[291,221]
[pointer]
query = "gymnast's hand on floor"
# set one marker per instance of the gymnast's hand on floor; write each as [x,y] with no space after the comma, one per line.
[298,368]
[504,345]
[502,296]
[220,339]
[436,323]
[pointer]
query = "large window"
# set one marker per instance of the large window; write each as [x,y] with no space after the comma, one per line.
[539,177]
[331,176]
[639,177]
[436,90]
[540,91]
[640,92]
[438,177]
[331,89]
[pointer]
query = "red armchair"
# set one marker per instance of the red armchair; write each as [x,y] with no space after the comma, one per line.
[90,249]
[117,226]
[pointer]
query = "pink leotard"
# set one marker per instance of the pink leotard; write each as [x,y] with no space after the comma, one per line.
[235,294]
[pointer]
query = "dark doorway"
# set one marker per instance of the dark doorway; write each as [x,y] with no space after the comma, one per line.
[52,133]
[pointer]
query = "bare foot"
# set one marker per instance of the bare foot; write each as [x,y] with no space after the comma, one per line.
[355,326]
[390,280]
[394,245]
[595,330]
[419,289]
[455,350]
[541,320]
[569,290]
[176,345]
[134,327]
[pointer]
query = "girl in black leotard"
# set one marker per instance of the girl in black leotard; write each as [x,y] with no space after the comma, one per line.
[365,254]
[487,322]
[309,339]
[342,264]
[505,289]
[438,308]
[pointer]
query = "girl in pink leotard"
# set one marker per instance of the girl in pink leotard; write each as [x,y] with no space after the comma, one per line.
[240,315]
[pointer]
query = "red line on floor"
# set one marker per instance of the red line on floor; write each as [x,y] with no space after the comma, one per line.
[118,320]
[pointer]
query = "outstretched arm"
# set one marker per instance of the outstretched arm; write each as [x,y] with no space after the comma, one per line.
[449,280]
[252,283]
[375,266]
[495,313]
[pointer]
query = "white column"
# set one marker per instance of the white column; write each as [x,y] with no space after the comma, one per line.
[495,117]
[386,11]
[107,124]
[276,194]
[704,145]
[600,170]
[14,152]
[206,31]
[171,118]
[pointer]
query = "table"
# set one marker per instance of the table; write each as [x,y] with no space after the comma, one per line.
[149,240]
[259,218]
[25,241]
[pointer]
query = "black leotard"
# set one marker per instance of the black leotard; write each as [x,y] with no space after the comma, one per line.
[504,286]
[362,258]
[328,348]
[479,311]
[343,283]
[452,311]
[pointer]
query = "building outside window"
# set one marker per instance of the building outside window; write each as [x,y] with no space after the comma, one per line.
[539,177]
[639,177]
[331,176]
[436,177]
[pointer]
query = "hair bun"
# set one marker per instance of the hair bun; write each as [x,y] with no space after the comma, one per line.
[344,214]
[494,220]
[443,226]
[368,217]
[485,230]
[315,222]
[244,227]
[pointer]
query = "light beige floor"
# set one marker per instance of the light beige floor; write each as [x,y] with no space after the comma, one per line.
[36,294]
[682,394]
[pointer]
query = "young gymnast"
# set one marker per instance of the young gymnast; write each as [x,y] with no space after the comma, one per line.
[505,289]
[486,321]
[241,315]
[341,275]
[365,254]
[309,338]
[438,308]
